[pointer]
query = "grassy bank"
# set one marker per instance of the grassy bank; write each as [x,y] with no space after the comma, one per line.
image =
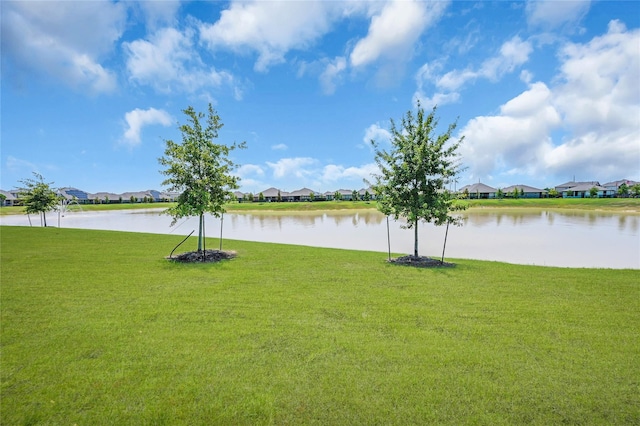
[626,205]
[97,328]
[621,205]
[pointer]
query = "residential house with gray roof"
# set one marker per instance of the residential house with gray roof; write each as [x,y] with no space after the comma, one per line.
[478,191]
[525,191]
[303,194]
[583,190]
[9,197]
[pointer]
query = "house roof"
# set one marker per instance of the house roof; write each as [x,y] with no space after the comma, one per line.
[585,186]
[102,195]
[8,195]
[344,191]
[302,192]
[478,187]
[272,192]
[525,188]
[571,184]
[617,183]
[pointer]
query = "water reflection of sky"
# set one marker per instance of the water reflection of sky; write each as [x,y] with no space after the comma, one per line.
[540,237]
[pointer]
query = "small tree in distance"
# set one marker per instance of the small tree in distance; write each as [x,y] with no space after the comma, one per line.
[199,169]
[38,196]
[415,173]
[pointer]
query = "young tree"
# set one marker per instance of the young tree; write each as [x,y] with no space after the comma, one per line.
[199,169]
[312,196]
[623,190]
[414,174]
[367,196]
[635,190]
[261,197]
[500,194]
[37,196]
[279,197]
[337,196]
[593,192]
[3,198]
[354,195]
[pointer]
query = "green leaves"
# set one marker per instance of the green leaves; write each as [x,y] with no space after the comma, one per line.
[38,196]
[199,168]
[415,172]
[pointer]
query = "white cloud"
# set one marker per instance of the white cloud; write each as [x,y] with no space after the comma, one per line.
[15,165]
[333,173]
[138,118]
[292,167]
[168,61]
[279,147]
[513,53]
[270,28]
[394,31]
[332,73]
[157,13]
[517,137]
[63,39]
[588,122]
[376,133]
[247,170]
[552,14]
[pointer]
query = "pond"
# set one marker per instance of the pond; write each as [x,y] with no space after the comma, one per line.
[524,236]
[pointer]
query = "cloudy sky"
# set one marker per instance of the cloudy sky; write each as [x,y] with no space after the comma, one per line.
[542,91]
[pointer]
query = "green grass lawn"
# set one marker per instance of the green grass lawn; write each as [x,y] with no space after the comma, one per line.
[98,328]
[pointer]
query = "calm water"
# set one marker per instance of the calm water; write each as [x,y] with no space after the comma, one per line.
[553,238]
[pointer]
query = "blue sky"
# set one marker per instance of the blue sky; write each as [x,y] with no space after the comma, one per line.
[542,91]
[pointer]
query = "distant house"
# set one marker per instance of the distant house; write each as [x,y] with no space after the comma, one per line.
[75,194]
[525,191]
[239,196]
[572,184]
[615,185]
[9,197]
[106,197]
[478,191]
[169,196]
[271,194]
[364,191]
[583,190]
[138,196]
[345,194]
[302,194]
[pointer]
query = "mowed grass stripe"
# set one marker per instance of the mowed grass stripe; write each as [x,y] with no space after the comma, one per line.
[98,328]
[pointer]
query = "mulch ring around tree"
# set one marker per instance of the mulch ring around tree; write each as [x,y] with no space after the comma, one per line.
[207,256]
[421,262]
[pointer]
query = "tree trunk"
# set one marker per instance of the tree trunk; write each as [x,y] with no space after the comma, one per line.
[221,223]
[200,231]
[44,216]
[415,245]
